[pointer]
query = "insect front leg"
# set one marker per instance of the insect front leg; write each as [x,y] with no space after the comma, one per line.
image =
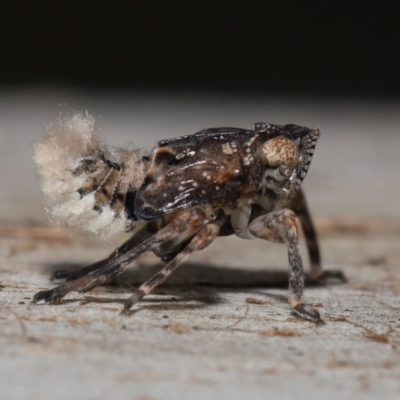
[136,239]
[201,240]
[240,221]
[281,227]
[194,218]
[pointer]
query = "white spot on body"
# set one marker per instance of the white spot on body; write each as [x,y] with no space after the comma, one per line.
[226,149]
[247,160]
[185,153]
[251,141]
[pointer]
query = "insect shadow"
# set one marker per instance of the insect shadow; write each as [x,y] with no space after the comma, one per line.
[198,282]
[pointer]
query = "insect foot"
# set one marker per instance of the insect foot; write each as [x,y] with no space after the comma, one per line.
[135,298]
[308,312]
[49,296]
[179,197]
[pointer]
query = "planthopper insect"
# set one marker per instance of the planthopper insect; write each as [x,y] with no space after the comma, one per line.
[180,197]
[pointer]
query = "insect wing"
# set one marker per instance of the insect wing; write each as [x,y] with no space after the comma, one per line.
[184,176]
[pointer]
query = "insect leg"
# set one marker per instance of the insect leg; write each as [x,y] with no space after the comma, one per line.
[201,240]
[281,227]
[136,239]
[240,220]
[299,206]
[193,218]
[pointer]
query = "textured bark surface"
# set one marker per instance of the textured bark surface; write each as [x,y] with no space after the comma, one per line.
[220,327]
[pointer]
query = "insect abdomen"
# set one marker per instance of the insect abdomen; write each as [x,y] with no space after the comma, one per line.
[85,181]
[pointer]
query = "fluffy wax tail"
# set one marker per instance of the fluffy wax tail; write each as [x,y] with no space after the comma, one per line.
[85,181]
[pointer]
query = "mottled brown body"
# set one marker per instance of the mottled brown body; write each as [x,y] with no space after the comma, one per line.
[219,181]
[207,167]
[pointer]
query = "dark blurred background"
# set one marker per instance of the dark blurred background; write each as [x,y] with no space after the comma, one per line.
[340,48]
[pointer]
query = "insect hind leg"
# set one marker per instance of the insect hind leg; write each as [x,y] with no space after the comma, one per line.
[201,240]
[193,219]
[299,206]
[136,239]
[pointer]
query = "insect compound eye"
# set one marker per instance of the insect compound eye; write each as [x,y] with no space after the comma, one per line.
[280,151]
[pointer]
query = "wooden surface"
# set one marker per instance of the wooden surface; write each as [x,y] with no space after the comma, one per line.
[221,328]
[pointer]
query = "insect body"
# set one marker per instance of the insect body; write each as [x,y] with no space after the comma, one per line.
[179,198]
